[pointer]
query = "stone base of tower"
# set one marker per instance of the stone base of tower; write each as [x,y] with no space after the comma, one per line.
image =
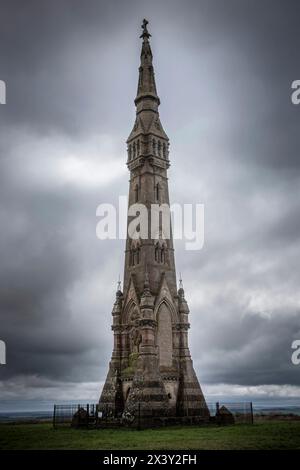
[147,397]
[144,401]
[111,402]
[151,379]
[190,399]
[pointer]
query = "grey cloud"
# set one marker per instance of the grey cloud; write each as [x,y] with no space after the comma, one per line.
[223,75]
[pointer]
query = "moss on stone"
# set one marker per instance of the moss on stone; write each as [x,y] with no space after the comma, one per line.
[133,357]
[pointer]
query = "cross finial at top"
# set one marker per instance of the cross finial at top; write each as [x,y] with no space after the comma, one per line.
[119,284]
[180,282]
[145,33]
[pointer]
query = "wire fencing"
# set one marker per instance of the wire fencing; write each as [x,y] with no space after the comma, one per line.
[90,416]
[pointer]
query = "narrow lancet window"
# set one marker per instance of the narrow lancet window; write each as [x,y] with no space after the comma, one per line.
[136,193]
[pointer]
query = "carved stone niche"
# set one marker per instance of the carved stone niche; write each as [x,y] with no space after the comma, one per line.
[134,332]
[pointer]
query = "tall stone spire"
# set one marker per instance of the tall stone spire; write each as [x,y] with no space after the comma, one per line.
[148,161]
[151,372]
[146,83]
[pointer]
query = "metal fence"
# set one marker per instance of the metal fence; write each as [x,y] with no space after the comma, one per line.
[88,415]
[79,415]
[241,412]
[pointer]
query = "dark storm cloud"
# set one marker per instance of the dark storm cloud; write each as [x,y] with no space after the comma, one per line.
[55,59]
[254,348]
[224,77]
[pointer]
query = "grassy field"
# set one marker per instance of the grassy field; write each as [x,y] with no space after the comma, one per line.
[266,435]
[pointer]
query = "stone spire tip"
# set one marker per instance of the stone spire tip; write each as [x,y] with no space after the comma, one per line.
[119,284]
[145,33]
[180,281]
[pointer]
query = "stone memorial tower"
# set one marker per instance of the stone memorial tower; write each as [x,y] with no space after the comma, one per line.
[151,371]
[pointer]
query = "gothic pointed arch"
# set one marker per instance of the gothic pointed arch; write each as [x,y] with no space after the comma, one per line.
[164,295]
[131,301]
[164,336]
[133,319]
[135,252]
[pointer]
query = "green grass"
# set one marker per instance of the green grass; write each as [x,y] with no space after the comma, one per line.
[266,435]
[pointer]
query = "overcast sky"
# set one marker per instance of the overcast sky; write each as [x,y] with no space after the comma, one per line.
[223,72]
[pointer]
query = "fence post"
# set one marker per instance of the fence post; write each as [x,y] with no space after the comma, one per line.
[251,409]
[139,417]
[186,405]
[96,415]
[54,416]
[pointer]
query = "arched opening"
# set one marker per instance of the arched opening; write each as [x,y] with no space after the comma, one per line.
[129,152]
[164,336]
[154,146]
[127,393]
[161,253]
[159,148]
[136,193]
[135,253]
[164,150]
[134,149]
[156,252]
[157,192]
